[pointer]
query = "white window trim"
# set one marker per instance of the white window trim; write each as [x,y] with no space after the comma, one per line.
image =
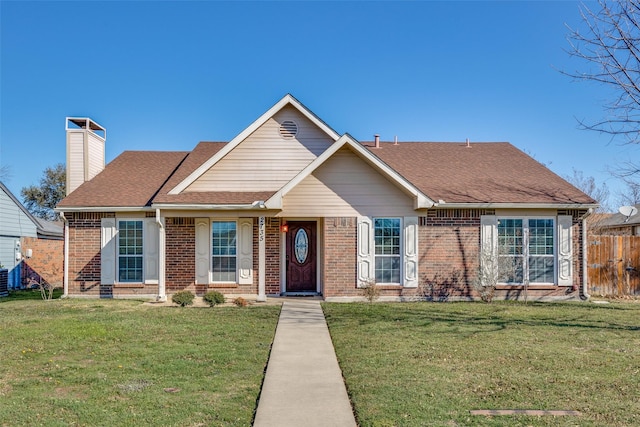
[525,242]
[401,255]
[212,220]
[117,248]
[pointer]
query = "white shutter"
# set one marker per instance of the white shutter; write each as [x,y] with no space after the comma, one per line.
[202,250]
[565,251]
[150,250]
[489,246]
[365,250]
[411,252]
[108,244]
[245,251]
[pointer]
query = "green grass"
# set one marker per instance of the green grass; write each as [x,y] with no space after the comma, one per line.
[429,364]
[112,362]
[31,294]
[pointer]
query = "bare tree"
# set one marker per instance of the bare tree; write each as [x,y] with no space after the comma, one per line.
[5,173]
[588,185]
[610,46]
[630,195]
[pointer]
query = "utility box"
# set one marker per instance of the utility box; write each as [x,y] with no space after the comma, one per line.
[4,282]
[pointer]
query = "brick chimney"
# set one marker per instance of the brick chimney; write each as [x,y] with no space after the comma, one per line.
[85,150]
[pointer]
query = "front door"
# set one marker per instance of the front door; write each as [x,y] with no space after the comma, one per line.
[301,256]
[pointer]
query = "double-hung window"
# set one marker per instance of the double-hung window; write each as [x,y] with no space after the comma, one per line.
[526,250]
[387,244]
[130,251]
[224,250]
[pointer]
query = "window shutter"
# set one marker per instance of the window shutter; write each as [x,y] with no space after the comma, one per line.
[565,251]
[411,252]
[245,251]
[202,250]
[150,248]
[365,250]
[108,244]
[489,246]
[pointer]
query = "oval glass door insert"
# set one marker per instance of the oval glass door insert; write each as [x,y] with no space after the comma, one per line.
[301,245]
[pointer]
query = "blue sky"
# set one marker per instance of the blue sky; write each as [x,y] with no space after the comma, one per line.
[163,75]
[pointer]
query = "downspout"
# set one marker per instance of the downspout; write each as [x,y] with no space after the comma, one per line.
[162,291]
[585,282]
[65,268]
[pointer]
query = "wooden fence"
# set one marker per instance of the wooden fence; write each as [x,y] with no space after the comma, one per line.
[613,265]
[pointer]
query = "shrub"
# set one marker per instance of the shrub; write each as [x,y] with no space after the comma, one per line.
[240,302]
[183,298]
[213,297]
[370,291]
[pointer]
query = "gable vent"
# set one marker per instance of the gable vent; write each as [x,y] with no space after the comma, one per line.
[288,129]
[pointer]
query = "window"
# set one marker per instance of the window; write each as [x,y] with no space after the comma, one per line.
[223,251]
[526,250]
[130,248]
[387,232]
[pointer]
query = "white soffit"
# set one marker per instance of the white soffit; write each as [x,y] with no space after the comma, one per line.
[288,99]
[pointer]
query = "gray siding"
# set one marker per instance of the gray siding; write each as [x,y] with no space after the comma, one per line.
[13,220]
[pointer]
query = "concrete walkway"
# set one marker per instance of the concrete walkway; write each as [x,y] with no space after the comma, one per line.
[303,385]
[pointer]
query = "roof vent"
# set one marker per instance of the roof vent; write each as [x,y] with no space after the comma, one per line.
[288,129]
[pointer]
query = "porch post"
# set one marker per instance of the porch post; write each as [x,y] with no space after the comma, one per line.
[262,296]
[162,290]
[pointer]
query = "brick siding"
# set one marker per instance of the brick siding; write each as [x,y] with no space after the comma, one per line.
[46,263]
[339,266]
[449,244]
[84,254]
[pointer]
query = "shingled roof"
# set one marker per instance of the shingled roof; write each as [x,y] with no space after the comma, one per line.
[456,173]
[131,180]
[487,172]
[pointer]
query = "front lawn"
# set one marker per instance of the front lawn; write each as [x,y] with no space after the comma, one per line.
[429,364]
[117,363]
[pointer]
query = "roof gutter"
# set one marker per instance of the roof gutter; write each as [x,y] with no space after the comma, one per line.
[443,204]
[105,209]
[257,205]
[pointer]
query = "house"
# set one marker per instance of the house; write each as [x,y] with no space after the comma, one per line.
[615,224]
[291,207]
[31,249]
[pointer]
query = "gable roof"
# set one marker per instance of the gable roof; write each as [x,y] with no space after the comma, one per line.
[421,200]
[288,99]
[434,173]
[480,173]
[44,228]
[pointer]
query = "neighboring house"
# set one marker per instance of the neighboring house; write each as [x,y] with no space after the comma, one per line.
[30,248]
[615,224]
[291,207]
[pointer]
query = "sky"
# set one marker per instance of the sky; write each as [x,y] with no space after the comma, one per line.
[163,75]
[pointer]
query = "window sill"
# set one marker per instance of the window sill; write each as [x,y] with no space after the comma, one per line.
[532,287]
[392,287]
[223,285]
[128,285]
